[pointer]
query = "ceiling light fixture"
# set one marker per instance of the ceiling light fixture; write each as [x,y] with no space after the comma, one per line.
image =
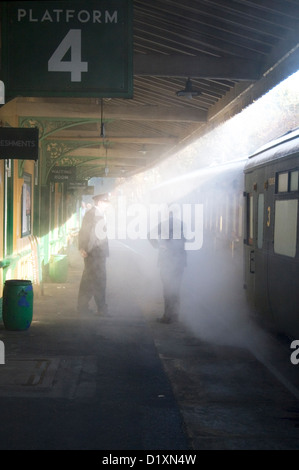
[188,92]
[143,150]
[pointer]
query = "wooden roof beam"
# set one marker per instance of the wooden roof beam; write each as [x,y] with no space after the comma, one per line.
[120,140]
[68,110]
[228,68]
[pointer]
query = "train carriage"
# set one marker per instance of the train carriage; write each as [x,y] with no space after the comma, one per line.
[271,254]
[263,190]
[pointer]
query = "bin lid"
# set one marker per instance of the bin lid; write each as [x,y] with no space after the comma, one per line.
[18,282]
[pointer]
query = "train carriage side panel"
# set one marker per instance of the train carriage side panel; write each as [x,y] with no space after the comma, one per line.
[283,264]
[271,254]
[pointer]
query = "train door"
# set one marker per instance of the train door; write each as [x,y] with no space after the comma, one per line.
[284,257]
[249,259]
[256,241]
[249,248]
[261,249]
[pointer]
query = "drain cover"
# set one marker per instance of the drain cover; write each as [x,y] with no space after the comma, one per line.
[66,377]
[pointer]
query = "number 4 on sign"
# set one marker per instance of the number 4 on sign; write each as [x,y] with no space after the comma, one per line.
[75,66]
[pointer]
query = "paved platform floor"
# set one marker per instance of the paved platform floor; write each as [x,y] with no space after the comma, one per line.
[127,382]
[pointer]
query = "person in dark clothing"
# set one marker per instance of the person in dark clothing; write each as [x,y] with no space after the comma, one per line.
[94,247]
[172,261]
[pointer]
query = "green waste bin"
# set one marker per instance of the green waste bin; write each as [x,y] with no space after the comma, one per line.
[58,268]
[17,311]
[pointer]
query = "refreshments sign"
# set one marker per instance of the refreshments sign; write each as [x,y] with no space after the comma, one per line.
[18,142]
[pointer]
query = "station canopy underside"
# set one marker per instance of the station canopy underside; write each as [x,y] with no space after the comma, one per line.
[232,50]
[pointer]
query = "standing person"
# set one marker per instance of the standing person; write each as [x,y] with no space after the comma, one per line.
[94,247]
[172,261]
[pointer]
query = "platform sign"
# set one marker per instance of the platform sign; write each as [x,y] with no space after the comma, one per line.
[19,143]
[62,174]
[78,48]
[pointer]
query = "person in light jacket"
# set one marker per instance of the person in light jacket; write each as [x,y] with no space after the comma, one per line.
[94,247]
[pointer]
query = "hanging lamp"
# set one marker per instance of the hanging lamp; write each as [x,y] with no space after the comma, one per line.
[188,92]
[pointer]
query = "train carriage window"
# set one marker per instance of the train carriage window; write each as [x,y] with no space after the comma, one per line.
[283,180]
[294,180]
[260,220]
[250,219]
[285,227]
[288,181]
[240,213]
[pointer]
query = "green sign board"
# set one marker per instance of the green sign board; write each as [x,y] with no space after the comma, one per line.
[60,174]
[67,48]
